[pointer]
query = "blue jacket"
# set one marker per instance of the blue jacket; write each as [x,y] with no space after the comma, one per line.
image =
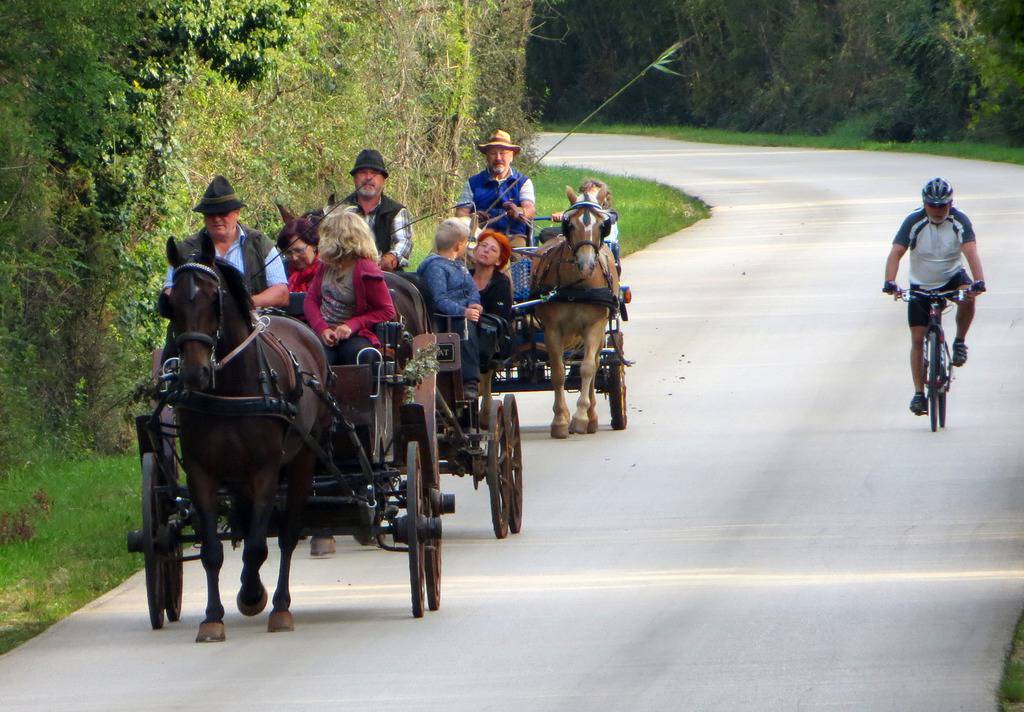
[450,284]
[489,194]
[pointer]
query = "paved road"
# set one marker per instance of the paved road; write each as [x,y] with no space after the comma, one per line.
[773,532]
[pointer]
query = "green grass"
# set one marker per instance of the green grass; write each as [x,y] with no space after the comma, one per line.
[647,210]
[1011,689]
[844,137]
[77,551]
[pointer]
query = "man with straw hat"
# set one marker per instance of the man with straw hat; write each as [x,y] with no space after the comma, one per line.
[246,249]
[502,197]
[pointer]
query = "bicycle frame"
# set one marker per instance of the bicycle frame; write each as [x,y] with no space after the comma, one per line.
[938,377]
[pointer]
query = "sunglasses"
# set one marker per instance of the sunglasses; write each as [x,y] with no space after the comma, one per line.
[937,205]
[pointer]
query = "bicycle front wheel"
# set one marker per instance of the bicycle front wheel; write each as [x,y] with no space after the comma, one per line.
[934,380]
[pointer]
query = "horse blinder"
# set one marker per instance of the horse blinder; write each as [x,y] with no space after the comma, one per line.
[199,336]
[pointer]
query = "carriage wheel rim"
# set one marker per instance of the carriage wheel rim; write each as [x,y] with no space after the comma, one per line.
[154,564]
[514,435]
[496,455]
[417,574]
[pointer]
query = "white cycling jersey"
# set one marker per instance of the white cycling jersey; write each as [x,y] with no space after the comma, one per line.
[936,251]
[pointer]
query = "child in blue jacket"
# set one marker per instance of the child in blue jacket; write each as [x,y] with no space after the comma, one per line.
[455,297]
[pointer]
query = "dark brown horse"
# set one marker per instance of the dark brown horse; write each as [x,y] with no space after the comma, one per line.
[242,415]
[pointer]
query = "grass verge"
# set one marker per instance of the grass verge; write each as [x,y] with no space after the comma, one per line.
[647,210]
[62,538]
[1011,689]
[841,138]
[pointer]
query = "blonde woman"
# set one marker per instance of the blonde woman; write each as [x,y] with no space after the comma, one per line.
[347,296]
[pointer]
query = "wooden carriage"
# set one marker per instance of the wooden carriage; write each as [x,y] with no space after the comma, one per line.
[378,478]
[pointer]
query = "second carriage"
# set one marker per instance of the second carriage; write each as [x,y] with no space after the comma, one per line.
[524,365]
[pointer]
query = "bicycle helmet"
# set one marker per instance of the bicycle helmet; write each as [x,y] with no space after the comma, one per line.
[937,192]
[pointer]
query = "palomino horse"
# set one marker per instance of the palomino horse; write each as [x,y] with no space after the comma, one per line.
[244,419]
[582,270]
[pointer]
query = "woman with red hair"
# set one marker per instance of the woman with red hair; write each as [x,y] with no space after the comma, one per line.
[492,253]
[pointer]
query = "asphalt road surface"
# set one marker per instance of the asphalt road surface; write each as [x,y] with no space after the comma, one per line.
[774,531]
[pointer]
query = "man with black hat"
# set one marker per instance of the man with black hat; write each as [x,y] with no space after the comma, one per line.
[388,219]
[248,250]
[502,197]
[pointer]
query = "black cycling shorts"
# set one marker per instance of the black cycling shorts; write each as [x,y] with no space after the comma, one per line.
[917,307]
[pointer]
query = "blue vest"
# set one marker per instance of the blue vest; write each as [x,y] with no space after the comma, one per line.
[486,191]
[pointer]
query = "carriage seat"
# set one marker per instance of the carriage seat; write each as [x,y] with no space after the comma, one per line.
[549,233]
[418,282]
[295,301]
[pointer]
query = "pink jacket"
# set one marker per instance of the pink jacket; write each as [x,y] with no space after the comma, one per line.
[373,301]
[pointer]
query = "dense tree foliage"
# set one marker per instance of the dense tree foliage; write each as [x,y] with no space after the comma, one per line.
[884,70]
[114,115]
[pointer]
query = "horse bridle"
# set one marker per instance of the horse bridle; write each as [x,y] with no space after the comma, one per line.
[212,341]
[566,217]
[200,336]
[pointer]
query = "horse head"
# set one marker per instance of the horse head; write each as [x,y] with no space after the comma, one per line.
[583,226]
[197,301]
[298,227]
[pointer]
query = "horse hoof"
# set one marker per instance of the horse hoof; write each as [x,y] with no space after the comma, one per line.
[322,546]
[579,426]
[560,432]
[252,609]
[211,633]
[280,622]
[592,427]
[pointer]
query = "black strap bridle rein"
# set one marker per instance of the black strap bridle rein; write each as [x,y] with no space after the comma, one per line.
[200,336]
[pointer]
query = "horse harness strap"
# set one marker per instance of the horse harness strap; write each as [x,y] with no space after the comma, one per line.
[230,406]
[261,325]
[587,295]
[603,296]
[288,383]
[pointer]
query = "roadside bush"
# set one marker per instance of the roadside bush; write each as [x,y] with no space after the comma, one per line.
[114,116]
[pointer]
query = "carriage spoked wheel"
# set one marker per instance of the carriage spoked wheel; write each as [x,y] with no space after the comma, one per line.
[499,470]
[514,448]
[156,563]
[173,584]
[432,568]
[413,514]
[173,574]
[617,389]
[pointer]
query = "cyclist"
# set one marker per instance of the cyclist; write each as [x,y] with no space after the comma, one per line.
[938,236]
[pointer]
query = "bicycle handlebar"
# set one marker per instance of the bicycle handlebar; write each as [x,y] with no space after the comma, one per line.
[954,295]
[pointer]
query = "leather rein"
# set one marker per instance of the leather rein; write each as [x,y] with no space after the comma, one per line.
[265,404]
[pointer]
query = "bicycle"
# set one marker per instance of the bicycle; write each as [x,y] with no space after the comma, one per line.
[936,357]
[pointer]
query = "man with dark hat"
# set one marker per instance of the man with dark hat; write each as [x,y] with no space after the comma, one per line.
[501,196]
[250,251]
[388,219]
